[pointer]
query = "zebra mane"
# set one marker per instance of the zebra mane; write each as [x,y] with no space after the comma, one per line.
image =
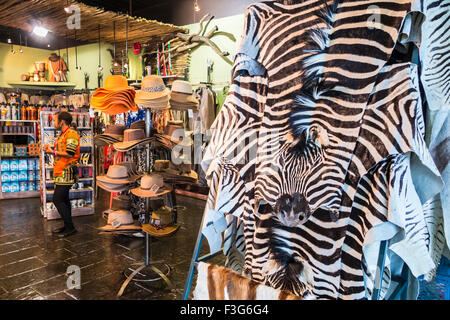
[317,41]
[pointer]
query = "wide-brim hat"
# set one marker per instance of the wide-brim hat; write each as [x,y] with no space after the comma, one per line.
[125,221]
[160,231]
[144,193]
[122,202]
[183,106]
[159,104]
[183,98]
[152,87]
[131,139]
[116,175]
[116,83]
[114,188]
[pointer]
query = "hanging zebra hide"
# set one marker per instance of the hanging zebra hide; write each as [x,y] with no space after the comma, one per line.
[313,145]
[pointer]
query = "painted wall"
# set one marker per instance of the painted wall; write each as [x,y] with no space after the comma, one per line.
[221,69]
[12,66]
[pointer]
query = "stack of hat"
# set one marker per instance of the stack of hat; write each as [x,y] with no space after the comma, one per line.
[131,139]
[115,97]
[174,134]
[181,97]
[153,93]
[117,179]
[112,134]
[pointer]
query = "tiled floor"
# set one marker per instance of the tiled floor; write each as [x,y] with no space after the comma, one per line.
[33,263]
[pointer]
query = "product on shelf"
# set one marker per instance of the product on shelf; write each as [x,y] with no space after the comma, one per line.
[6,149]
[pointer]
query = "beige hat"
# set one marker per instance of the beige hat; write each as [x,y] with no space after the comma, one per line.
[114,188]
[120,220]
[152,87]
[116,175]
[182,93]
[151,186]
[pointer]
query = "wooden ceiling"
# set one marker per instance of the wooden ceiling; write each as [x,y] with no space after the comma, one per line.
[25,14]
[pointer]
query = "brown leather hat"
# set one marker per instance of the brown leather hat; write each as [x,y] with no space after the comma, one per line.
[140,124]
[132,138]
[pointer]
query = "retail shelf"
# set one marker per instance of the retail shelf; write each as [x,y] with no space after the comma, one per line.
[83,211]
[14,156]
[79,165]
[42,85]
[79,179]
[34,121]
[17,134]
[20,194]
[81,128]
[73,190]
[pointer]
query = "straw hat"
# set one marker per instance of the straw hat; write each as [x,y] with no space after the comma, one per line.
[151,186]
[162,216]
[120,220]
[152,88]
[117,175]
[115,96]
[175,132]
[182,93]
[131,139]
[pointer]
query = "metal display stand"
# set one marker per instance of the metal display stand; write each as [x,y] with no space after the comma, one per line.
[48,134]
[147,271]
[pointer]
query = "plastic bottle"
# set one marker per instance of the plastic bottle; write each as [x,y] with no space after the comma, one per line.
[24,113]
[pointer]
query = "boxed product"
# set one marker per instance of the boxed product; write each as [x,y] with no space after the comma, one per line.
[31,164]
[23,186]
[36,164]
[14,165]
[23,164]
[6,187]
[14,187]
[14,176]
[31,186]
[31,176]
[5,165]
[6,176]
[23,175]
[37,177]
[37,186]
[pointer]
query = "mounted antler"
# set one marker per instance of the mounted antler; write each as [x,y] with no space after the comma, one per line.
[191,41]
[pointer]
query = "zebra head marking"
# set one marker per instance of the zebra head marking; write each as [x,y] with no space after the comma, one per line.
[292,210]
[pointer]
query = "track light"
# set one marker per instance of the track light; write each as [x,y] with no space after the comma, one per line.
[40,31]
[196,6]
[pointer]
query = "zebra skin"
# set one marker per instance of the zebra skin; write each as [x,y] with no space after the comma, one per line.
[288,132]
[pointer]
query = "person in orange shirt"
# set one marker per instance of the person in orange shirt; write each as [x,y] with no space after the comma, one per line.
[66,152]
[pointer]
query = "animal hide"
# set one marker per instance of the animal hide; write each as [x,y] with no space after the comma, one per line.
[315,103]
[218,283]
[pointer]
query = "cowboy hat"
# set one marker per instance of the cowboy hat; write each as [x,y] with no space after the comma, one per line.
[117,175]
[113,132]
[151,186]
[116,83]
[162,216]
[174,130]
[131,139]
[155,231]
[182,93]
[120,220]
[121,202]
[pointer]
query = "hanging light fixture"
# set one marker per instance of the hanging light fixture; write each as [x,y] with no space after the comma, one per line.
[20,40]
[126,47]
[100,68]
[114,34]
[196,6]
[76,52]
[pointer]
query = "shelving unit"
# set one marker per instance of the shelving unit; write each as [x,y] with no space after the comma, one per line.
[33,135]
[47,185]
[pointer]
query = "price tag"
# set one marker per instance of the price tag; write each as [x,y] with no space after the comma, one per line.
[190,113]
[154,188]
[91,113]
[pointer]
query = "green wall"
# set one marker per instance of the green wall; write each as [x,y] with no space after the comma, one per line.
[12,66]
[221,69]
